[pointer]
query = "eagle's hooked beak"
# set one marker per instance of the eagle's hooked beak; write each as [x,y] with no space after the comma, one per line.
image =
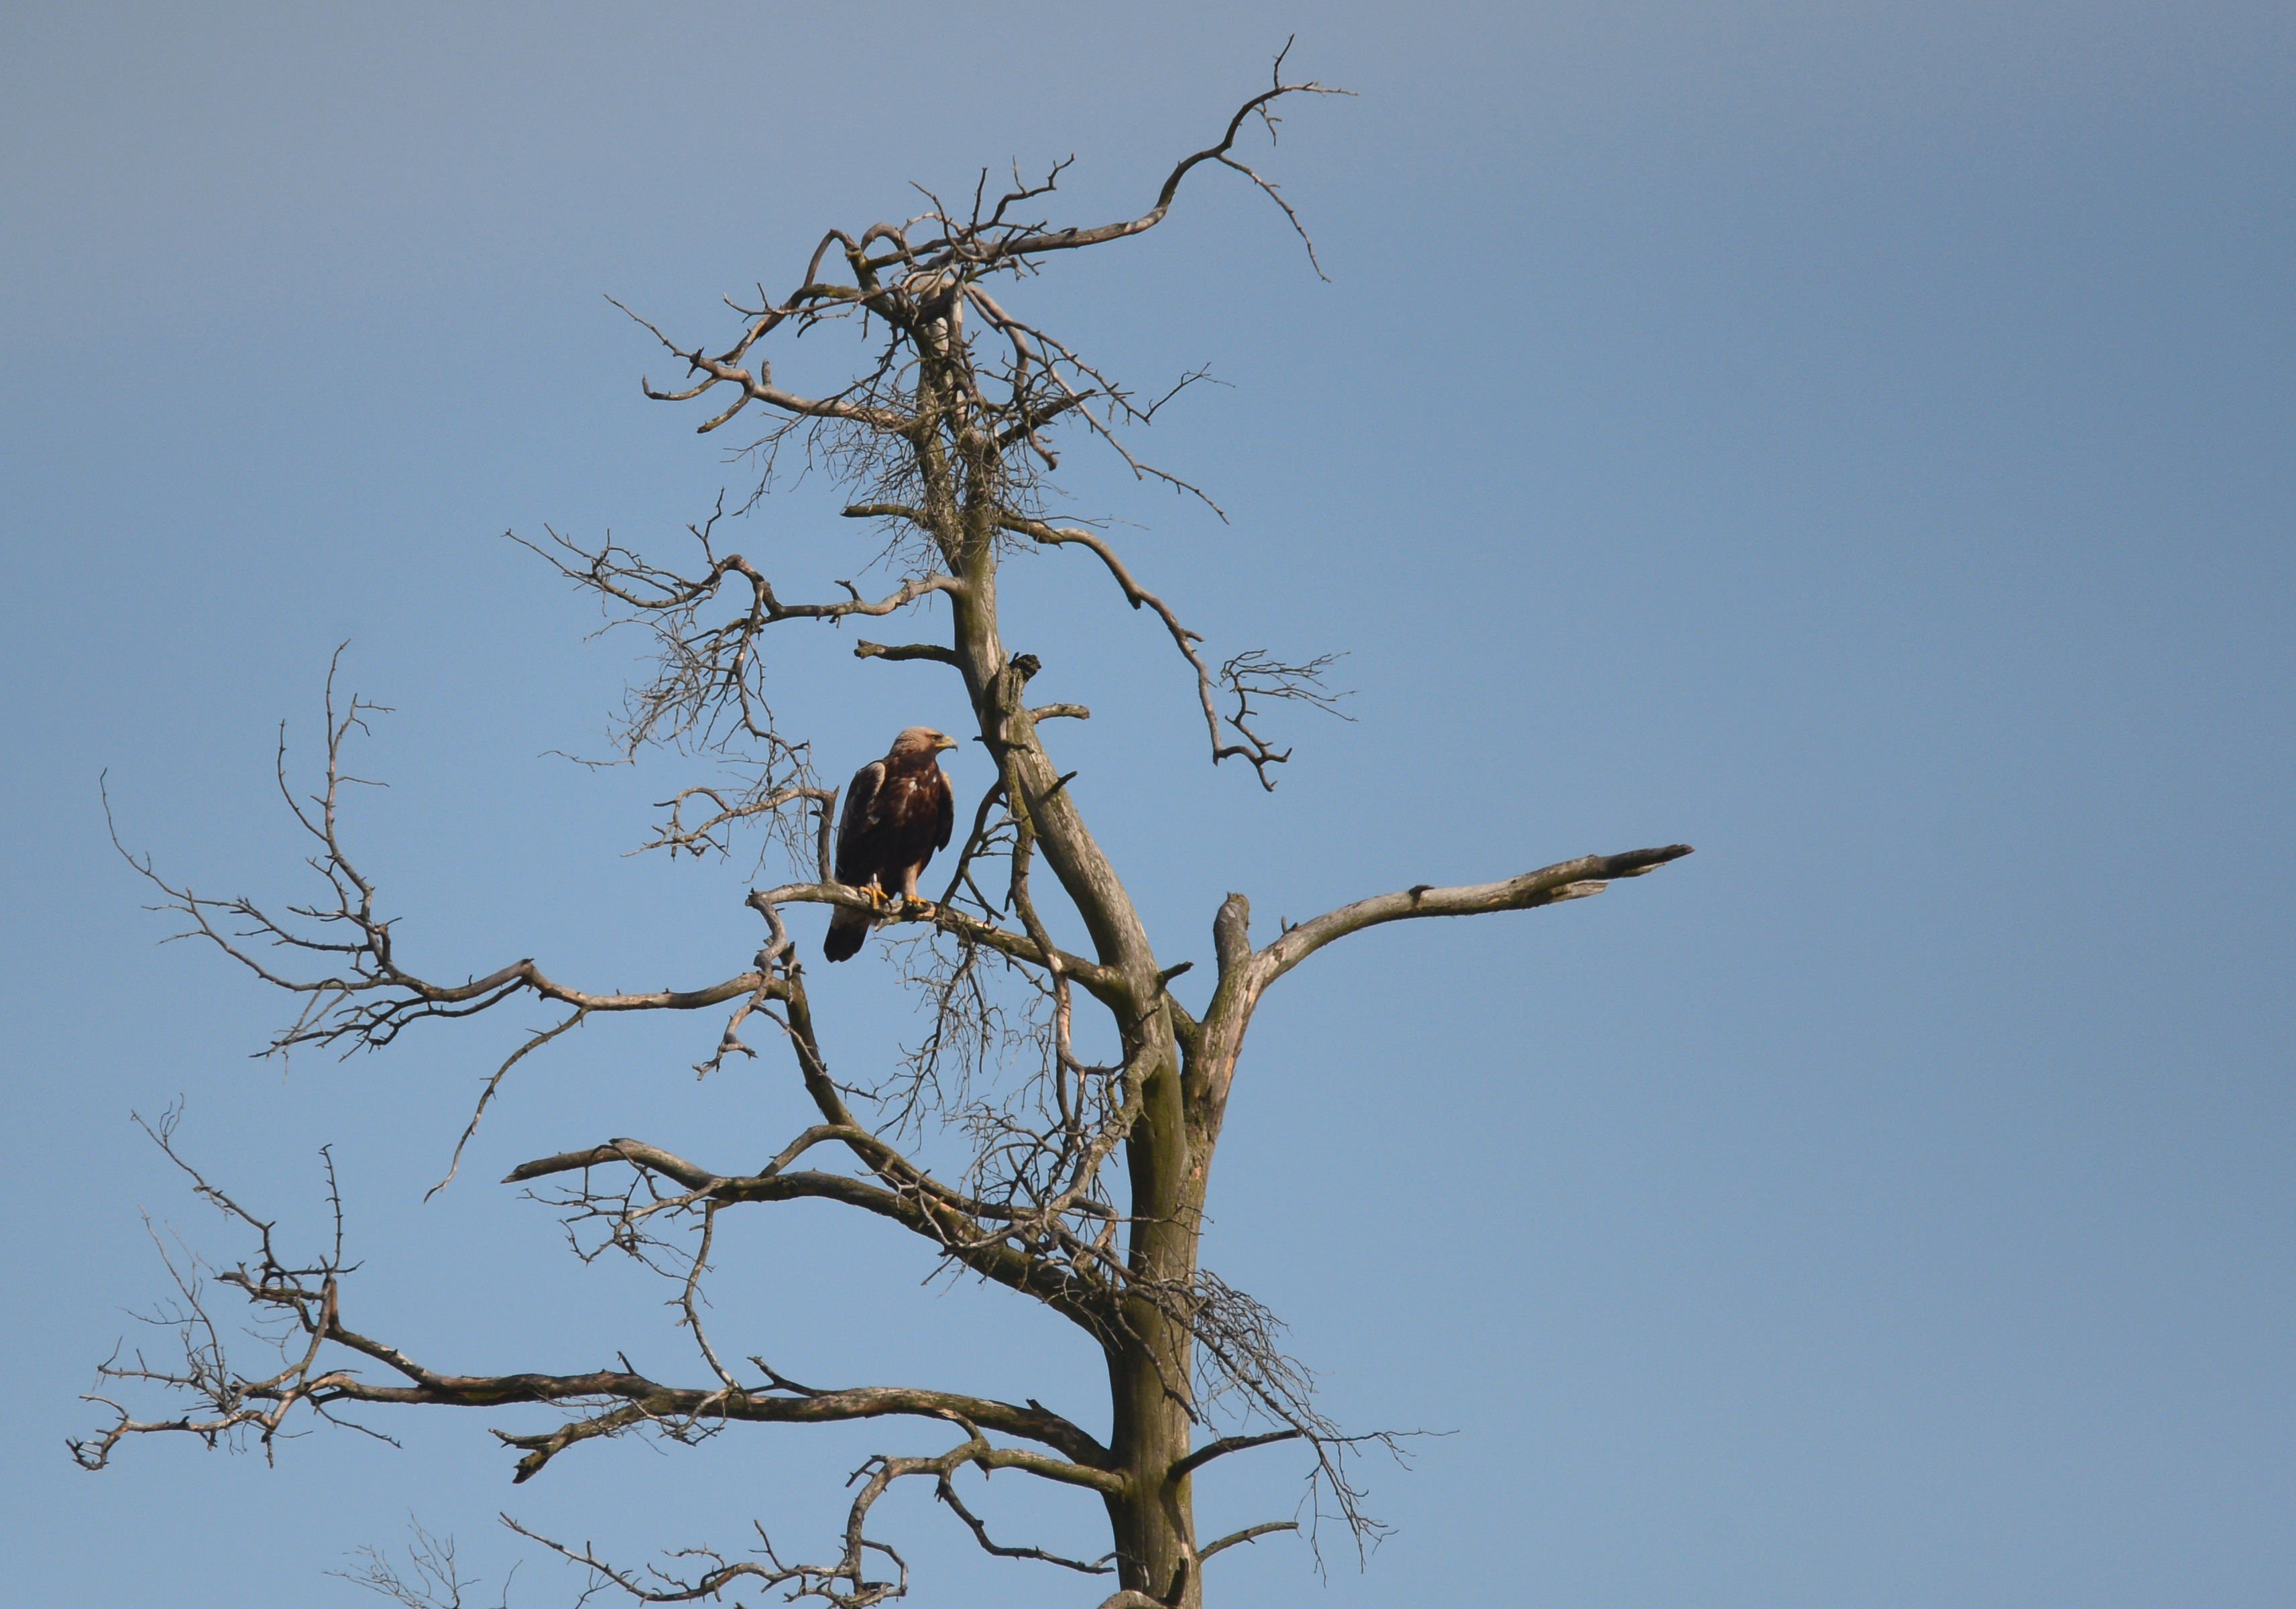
[947,742]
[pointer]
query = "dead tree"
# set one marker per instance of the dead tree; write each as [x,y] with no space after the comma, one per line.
[1084,1184]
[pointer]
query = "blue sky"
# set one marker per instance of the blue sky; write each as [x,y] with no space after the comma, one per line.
[1854,440]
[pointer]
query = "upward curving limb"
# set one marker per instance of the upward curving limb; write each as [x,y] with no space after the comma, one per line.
[1070,240]
[1245,972]
[1550,885]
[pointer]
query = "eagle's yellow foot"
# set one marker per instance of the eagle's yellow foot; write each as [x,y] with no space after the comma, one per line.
[910,907]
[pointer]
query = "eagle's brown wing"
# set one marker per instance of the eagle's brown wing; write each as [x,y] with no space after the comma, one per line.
[855,824]
[848,929]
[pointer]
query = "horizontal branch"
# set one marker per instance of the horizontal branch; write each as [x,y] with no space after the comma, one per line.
[1105,981]
[1083,1463]
[908,1196]
[908,650]
[887,511]
[616,573]
[700,1182]
[527,973]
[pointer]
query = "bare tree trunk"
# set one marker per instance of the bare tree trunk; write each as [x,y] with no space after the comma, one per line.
[1151,1365]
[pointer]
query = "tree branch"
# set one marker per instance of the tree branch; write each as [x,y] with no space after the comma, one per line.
[1249,1533]
[1227,1444]
[1069,240]
[908,650]
[1550,885]
[909,1197]
[1251,674]
[1105,981]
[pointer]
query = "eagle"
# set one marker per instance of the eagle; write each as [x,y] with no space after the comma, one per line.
[897,811]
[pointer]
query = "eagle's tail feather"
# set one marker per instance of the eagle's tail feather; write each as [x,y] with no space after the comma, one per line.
[847,929]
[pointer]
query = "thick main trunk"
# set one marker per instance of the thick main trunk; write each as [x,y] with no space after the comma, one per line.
[1150,1523]
[1151,1363]
[1150,1368]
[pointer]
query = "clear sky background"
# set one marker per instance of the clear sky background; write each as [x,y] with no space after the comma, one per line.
[1853,439]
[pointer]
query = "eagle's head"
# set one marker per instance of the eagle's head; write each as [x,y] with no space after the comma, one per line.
[920,743]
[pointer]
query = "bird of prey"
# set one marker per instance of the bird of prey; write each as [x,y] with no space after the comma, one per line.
[897,811]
